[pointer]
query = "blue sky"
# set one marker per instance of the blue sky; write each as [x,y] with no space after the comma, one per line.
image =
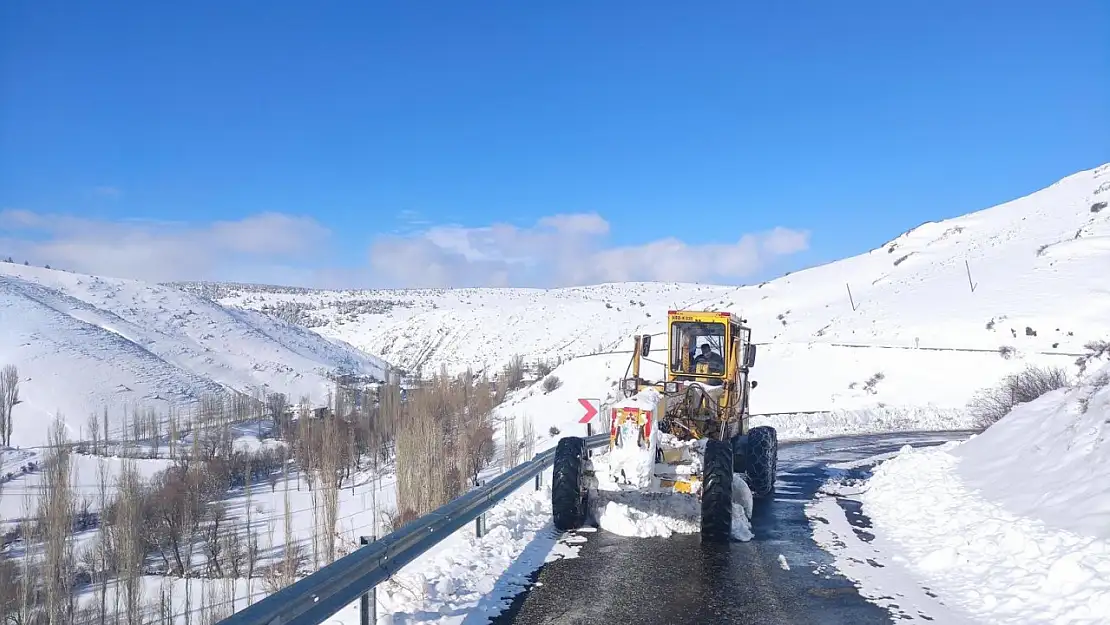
[375,144]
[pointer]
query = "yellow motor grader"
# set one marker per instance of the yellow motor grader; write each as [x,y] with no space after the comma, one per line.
[687,433]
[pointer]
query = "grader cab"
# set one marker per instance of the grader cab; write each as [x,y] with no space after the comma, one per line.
[686,433]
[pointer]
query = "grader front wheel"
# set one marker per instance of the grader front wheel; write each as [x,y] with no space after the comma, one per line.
[568,479]
[716,494]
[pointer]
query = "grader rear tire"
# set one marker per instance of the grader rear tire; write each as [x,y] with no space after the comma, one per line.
[568,479]
[716,494]
[761,460]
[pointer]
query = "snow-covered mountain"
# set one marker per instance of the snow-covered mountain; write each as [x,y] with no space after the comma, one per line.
[1038,265]
[84,343]
[957,304]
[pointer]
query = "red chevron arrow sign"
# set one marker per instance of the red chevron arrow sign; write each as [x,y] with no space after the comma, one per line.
[591,406]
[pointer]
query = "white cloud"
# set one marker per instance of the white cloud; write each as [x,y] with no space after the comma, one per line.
[160,251]
[557,250]
[564,250]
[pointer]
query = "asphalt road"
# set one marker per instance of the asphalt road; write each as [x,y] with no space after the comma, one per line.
[648,581]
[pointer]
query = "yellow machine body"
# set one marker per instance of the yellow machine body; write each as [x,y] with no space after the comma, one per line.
[705,385]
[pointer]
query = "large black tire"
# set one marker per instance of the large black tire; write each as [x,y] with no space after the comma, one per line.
[568,484]
[761,461]
[716,493]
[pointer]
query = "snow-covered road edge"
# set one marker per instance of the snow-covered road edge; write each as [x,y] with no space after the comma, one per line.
[996,566]
[469,579]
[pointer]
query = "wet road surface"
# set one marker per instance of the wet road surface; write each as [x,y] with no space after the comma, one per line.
[649,581]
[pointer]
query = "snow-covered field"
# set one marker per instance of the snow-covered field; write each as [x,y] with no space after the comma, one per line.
[933,316]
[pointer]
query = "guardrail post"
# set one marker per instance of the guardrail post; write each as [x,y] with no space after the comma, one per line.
[539,480]
[368,603]
[589,433]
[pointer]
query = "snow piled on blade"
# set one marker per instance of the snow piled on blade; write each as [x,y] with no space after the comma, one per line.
[1013,524]
[633,511]
[659,515]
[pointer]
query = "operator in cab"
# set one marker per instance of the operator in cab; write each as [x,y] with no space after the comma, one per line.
[715,361]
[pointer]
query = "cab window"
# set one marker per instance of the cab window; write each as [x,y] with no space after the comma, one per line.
[693,343]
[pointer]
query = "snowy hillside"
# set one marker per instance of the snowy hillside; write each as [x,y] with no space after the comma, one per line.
[1037,293]
[83,343]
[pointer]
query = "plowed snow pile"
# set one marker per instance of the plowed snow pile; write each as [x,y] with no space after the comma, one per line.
[1014,524]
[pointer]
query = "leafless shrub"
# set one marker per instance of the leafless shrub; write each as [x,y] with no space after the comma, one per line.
[1096,350]
[1007,351]
[551,383]
[869,385]
[991,405]
[393,520]
[553,431]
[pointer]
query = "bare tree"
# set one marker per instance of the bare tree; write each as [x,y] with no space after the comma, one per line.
[28,571]
[330,465]
[9,399]
[56,512]
[528,439]
[104,424]
[174,432]
[510,446]
[102,542]
[92,425]
[277,405]
[251,551]
[127,527]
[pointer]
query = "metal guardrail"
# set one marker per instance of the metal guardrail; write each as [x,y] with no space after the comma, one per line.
[315,598]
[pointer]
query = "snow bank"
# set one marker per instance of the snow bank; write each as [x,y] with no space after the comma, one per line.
[874,420]
[1013,524]
[1058,450]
